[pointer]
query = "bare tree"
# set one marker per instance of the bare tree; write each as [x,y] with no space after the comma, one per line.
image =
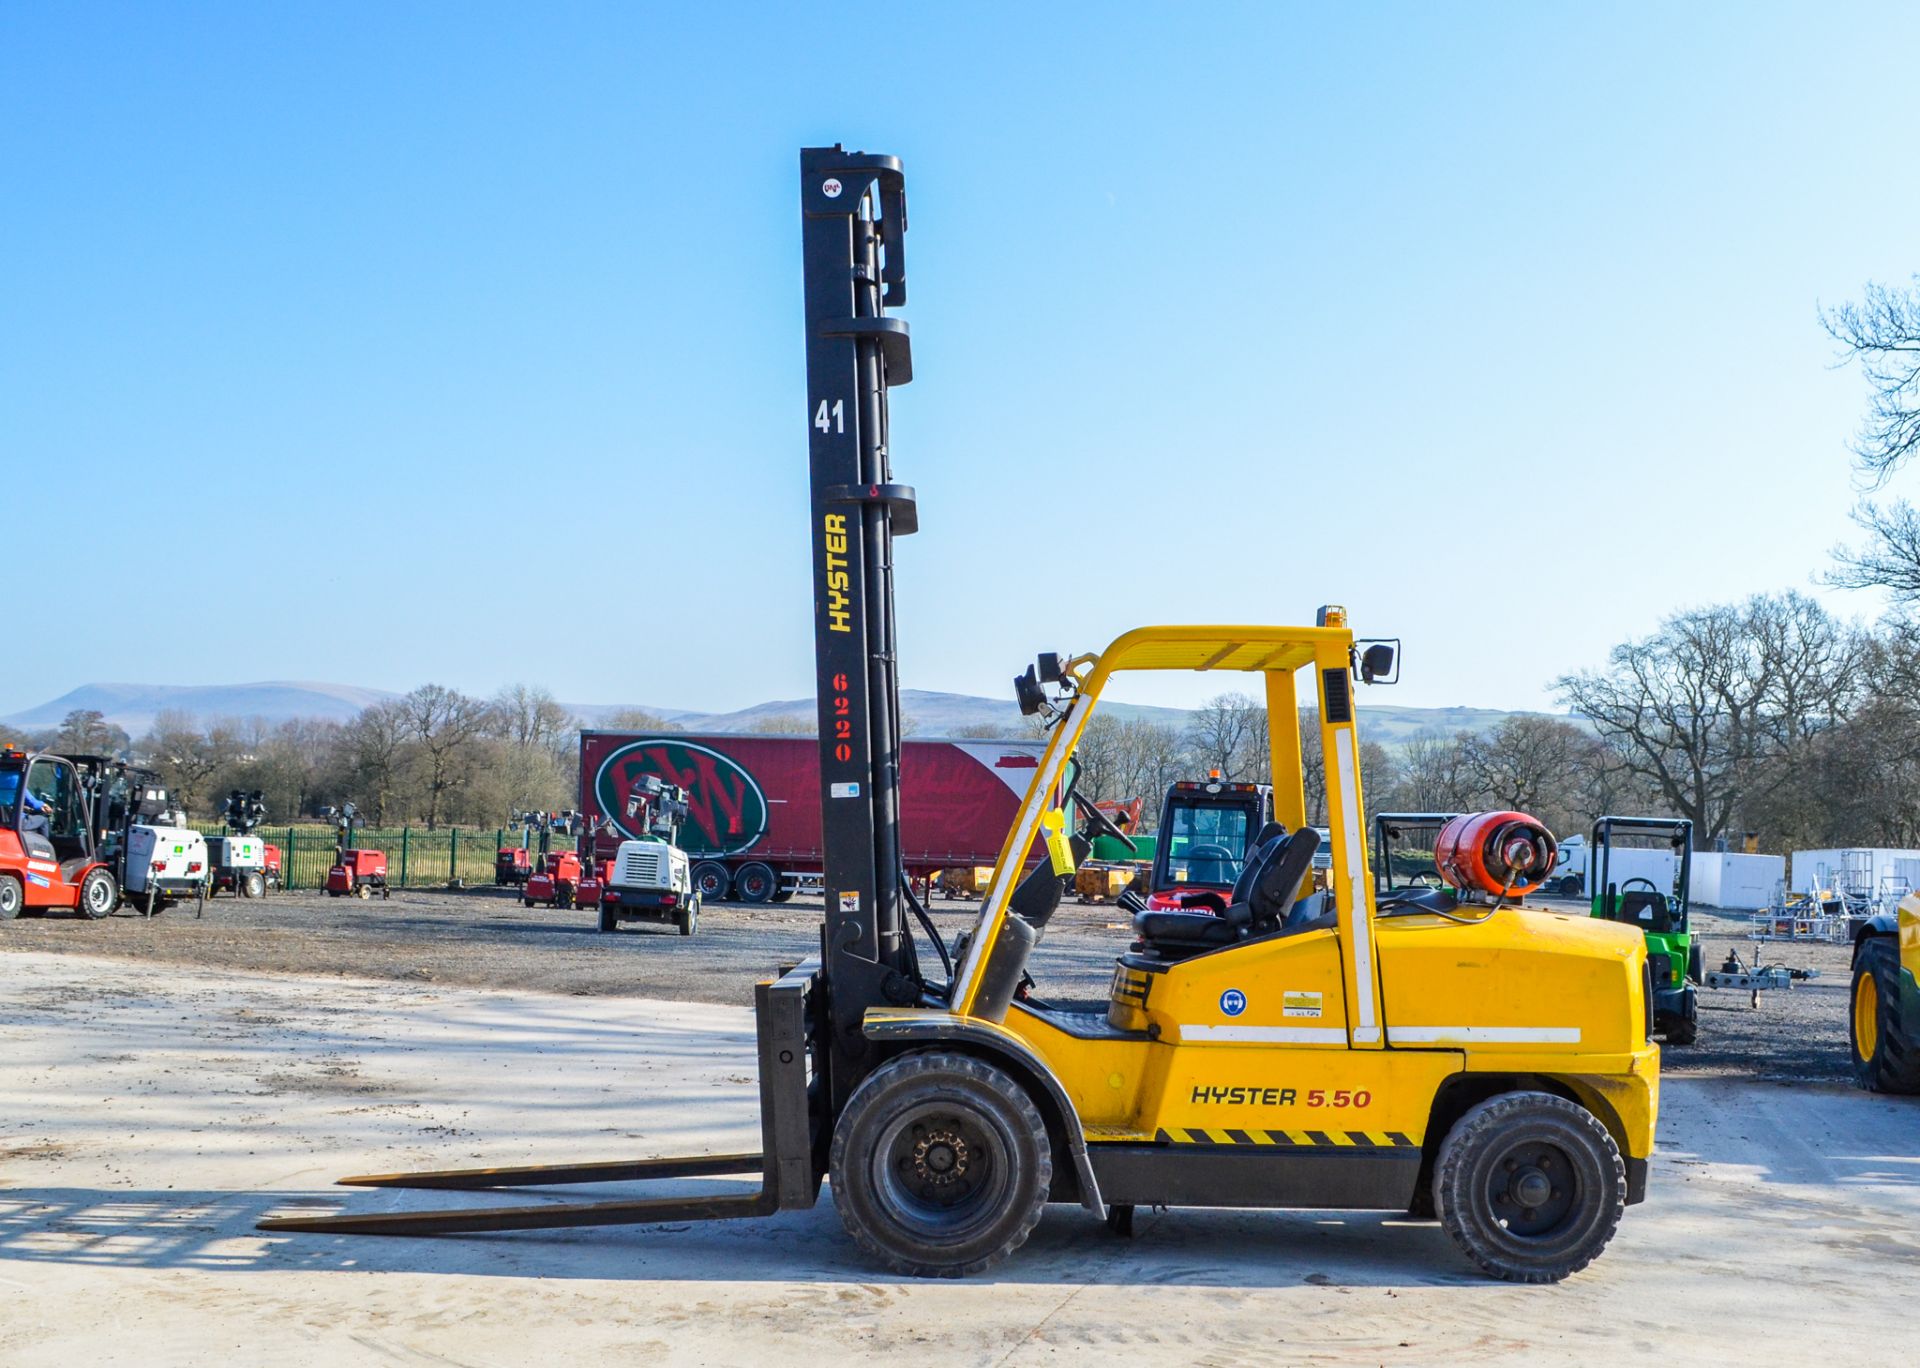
[1434,774]
[374,750]
[1220,732]
[1700,709]
[638,720]
[445,723]
[1882,334]
[782,724]
[1529,763]
[530,719]
[185,756]
[86,731]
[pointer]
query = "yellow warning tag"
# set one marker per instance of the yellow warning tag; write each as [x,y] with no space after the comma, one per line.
[1054,823]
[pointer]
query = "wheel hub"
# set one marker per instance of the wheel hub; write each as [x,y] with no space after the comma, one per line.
[1531,1187]
[941,1157]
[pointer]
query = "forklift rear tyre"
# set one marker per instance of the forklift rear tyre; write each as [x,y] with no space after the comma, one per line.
[940,1165]
[12,897]
[99,894]
[1530,1186]
[755,883]
[1886,1050]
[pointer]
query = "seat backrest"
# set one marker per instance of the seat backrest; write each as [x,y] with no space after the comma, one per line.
[1277,884]
[1270,835]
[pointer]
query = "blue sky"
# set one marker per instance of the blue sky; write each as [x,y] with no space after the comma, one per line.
[393,324]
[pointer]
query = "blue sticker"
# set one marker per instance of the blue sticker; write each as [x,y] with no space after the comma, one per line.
[1233,1002]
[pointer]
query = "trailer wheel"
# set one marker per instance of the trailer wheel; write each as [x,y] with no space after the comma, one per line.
[1885,1049]
[363,890]
[12,897]
[99,894]
[609,921]
[755,882]
[713,879]
[1530,1186]
[940,1165]
[688,921]
[249,885]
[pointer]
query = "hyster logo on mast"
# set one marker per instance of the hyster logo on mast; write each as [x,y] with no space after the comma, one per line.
[838,618]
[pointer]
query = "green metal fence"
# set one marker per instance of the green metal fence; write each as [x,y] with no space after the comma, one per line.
[416,857]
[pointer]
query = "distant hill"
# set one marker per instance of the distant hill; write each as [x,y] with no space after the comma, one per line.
[134,706]
[930,712]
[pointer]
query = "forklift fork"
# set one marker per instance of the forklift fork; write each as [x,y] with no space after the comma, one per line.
[789,1162]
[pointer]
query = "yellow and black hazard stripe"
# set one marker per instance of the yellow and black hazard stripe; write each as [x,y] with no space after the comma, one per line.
[1301,1139]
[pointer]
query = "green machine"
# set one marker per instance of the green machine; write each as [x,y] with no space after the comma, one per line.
[1638,872]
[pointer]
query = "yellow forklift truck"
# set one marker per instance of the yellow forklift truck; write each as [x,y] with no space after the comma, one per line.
[1419,1052]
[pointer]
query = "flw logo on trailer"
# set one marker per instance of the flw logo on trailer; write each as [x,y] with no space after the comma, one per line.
[726,809]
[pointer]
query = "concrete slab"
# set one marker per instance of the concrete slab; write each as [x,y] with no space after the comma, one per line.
[150,1114]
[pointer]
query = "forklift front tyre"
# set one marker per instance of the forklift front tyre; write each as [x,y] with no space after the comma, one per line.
[99,894]
[940,1165]
[1530,1186]
[12,897]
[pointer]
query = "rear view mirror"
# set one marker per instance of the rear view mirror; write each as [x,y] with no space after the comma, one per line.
[1380,662]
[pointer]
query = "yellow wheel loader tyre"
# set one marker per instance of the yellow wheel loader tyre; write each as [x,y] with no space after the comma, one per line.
[1530,1186]
[1886,1048]
[940,1165]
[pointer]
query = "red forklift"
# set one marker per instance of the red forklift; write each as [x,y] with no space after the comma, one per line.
[355,873]
[69,825]
[1207,828]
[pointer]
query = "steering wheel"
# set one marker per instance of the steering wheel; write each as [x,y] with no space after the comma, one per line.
[1099,824]
[1629,883]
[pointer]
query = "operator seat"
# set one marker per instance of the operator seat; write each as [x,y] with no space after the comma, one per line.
[1650,911]
[1265,893]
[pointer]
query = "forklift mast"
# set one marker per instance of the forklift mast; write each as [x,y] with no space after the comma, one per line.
[854,216]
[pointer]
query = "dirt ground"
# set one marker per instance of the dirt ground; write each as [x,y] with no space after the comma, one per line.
[150,1113]
[484,938]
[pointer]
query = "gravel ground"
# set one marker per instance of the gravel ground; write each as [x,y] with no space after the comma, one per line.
[484,938]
